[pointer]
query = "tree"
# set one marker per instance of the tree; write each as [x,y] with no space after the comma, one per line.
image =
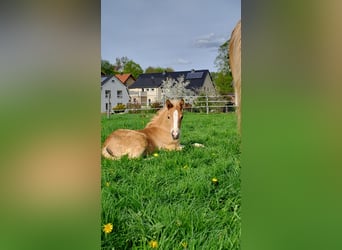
[176,88]
[223,82]
[107,68]
[133,68]
[125,65]
[120,63]
[151,69]
[223,78]
[222,59]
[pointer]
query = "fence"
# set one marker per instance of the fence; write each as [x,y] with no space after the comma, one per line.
[199,104]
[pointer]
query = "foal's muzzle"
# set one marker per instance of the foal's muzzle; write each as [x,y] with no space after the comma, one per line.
[175,133]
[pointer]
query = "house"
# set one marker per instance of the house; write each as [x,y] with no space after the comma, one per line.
[147,89]
[113,92]
[127,79]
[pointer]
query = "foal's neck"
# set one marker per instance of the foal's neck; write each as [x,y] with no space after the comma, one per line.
[157,120]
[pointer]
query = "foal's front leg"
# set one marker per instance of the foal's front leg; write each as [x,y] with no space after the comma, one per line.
[176,147]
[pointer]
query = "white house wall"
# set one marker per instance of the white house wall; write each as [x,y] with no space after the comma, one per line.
[154,96]
[208,86]
[113,85]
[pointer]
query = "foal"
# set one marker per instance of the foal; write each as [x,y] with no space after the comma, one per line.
[162,132]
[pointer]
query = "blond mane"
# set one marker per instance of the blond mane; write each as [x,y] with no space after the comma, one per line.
[161,112]
[156,117]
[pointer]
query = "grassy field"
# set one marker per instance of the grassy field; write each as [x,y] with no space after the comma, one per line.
[169,200]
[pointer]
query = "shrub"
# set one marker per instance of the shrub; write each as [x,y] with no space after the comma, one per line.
[133,107]
[156,105]
[119,108]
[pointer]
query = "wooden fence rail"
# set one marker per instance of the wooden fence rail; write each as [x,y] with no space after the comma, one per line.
[201,104]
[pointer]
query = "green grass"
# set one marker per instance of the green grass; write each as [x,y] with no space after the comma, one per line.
[171,198]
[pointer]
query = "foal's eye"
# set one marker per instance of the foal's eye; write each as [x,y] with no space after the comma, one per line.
[168,117]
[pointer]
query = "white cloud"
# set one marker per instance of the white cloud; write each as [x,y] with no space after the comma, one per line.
[182,61]
[209,41]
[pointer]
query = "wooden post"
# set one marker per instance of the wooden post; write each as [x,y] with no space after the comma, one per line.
[207,103]
[109,105]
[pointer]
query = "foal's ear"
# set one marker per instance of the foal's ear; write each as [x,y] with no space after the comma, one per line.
[169,104]
[181,104]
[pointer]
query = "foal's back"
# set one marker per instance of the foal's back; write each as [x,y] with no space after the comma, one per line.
[125,142]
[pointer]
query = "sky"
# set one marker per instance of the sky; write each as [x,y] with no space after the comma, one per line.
[181,34]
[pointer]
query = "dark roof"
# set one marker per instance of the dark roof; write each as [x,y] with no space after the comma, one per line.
[154,80]
[105,79]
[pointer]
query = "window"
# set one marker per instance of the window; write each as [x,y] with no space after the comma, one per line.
[119,94]
[152,89]
[107,93]
[106,106]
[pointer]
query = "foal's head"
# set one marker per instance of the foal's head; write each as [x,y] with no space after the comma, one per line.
[174,117]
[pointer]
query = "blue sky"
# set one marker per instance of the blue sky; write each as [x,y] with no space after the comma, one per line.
[181,34]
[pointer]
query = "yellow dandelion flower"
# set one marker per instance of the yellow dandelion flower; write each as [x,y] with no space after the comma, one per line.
[214,181]
[153,244]
[107,184]
[184,244]
[155,154]
[108,228]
